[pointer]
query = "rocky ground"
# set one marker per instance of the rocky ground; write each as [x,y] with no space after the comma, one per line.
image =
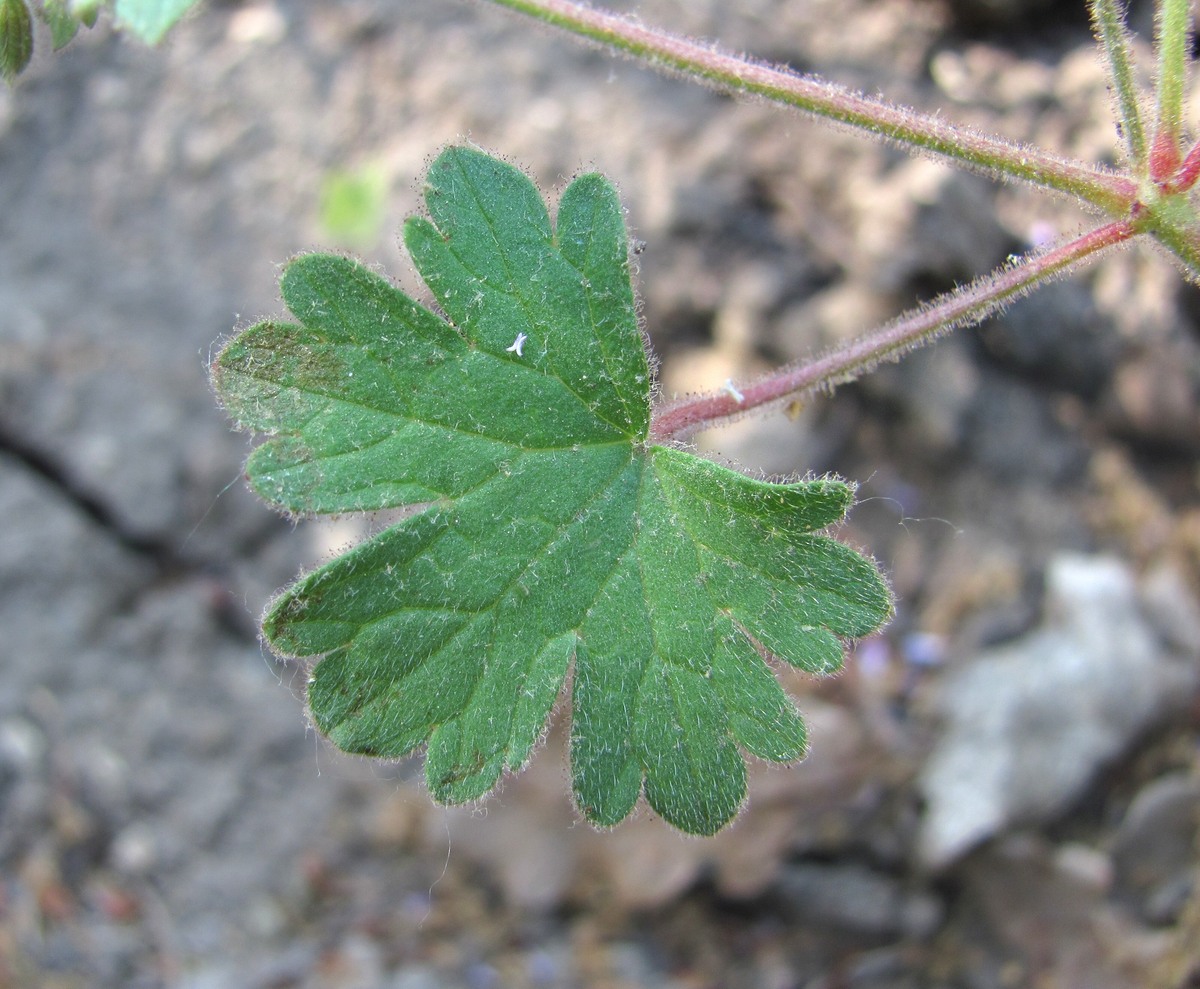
[1004,787]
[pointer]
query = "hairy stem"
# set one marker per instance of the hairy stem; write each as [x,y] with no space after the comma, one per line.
[1172,22]
[1107,191]
[1108,18]
[963,307]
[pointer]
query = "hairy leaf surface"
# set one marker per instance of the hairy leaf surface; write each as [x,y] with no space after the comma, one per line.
[554,539]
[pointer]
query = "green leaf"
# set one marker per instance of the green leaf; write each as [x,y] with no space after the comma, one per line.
[553,538]
[62,22]
[16,38]
[151,19]
[87,11]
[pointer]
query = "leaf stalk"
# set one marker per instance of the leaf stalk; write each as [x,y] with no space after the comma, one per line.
[964,306]
[1171,43]
[1108,19]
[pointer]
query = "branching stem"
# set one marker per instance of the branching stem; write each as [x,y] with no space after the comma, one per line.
[1158,209]
[963,307]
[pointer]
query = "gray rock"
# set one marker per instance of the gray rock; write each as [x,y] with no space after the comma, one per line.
[1170,604]
[1059,337]
[856,898]
[416,977]
[61,577]
[1154,847]
[1047,924]
[937,389]
[982,15]
[1011,431]
[1029,724]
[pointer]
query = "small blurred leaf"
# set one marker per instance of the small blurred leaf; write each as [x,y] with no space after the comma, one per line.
[62,21]
[87,11]
[151,19]
[16,38]
[353,204]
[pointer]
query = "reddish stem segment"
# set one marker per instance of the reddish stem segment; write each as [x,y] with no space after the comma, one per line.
[1164,159]
[1189,171]
[962,307]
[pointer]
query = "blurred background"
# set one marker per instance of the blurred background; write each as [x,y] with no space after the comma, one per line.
[1004,787]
